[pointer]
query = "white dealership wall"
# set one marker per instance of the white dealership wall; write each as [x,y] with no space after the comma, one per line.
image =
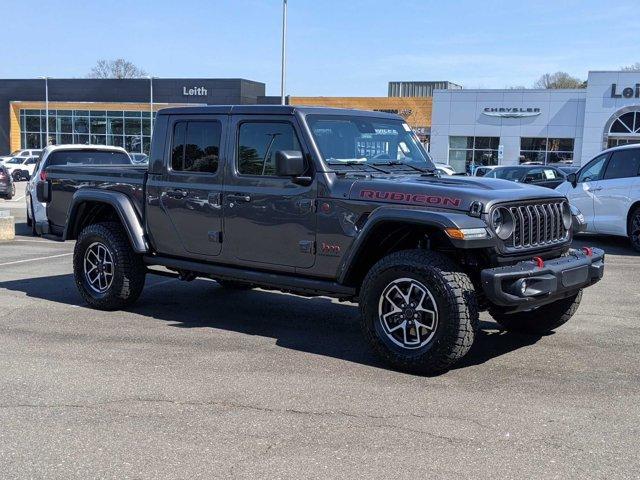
[581,114]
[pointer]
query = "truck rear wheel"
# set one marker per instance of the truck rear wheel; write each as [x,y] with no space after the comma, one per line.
[540,320]
[108,273]
[419,311]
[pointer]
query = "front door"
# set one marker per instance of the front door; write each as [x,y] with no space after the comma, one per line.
[269,220]
[614,194]
[582,195]
[185,211]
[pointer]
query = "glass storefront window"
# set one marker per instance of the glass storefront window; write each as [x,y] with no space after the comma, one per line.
[467,152]
[546,150]
[128,129]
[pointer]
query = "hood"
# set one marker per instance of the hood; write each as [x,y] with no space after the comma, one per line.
[457,193]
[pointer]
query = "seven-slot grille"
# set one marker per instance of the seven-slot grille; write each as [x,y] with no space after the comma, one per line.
[537,225]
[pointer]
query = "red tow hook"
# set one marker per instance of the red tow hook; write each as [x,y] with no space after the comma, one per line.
[588,251]
[539,262]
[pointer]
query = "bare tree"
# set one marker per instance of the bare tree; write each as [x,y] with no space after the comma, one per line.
[559,80]
[631,68]
[119,68]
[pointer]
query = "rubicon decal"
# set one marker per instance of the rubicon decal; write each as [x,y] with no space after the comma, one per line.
[417,198]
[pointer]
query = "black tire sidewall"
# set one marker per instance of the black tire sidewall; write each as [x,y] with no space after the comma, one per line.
[635,214]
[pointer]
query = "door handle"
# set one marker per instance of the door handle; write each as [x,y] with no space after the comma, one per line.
[239,198]
[595,189]
[177,194]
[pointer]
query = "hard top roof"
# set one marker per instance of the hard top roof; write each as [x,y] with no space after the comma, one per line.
[271,110]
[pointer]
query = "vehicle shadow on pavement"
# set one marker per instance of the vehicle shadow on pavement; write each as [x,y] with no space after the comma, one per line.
[313,325]
[610,244]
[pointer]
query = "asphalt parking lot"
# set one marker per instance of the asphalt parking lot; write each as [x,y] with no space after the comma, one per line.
[197,382]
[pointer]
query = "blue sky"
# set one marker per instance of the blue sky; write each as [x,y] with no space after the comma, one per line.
[336,47]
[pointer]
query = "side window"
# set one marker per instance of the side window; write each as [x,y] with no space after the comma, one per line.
[623,164]
[32,161]
[534,176]
[593,170]
[196,146]
[258,143]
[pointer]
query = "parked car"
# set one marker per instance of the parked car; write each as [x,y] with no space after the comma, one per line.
[65,155]
[139,158]
[7,187]
[21,168]
[481,171]
[607,191]
[541,176]
[445,169]
[321,201]
[21,153]
[565,168]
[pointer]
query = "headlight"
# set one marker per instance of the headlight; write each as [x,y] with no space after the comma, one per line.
[566,215]
[502,223]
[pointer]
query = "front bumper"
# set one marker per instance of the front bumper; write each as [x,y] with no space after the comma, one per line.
[529,284]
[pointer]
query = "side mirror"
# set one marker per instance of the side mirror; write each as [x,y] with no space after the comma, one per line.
[527,180]
[573,179]
[290,163]
[43,192]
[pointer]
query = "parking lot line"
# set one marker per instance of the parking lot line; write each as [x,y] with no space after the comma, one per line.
[35,259]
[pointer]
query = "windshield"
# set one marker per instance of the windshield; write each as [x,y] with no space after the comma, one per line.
[16,160]
[88,157]
[352,139]
[506,173]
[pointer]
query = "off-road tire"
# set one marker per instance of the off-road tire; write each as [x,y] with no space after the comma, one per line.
[634,229]
[541,320]
[233,285]
[456,302]
[128,270]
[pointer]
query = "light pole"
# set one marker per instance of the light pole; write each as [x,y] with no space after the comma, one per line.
[284,51]
[46,106]
[151,103]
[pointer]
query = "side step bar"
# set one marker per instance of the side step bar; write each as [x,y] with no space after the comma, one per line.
[277,281]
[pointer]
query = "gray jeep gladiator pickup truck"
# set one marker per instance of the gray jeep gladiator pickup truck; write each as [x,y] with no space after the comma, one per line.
[319,201]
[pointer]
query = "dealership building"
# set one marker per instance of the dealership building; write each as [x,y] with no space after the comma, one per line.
[492,127]
[106,112]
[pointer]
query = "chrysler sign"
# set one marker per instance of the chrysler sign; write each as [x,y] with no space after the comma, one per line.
[511,112]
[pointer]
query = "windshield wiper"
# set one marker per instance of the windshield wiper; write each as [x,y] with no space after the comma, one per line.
[357,163]
[426,171]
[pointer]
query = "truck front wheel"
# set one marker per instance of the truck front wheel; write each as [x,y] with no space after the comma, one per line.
[540,320]
[108,273]
[419,311]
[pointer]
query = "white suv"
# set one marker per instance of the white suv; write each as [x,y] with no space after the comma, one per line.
[20,153]
[607,191]
[65,155]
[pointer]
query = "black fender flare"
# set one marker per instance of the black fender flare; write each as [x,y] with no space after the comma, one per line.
[416,216]
[129,218]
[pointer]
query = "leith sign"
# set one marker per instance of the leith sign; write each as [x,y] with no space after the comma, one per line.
[511,112]
[627,92]
[194,92]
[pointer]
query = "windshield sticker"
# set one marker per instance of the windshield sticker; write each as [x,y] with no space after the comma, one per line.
[416,198]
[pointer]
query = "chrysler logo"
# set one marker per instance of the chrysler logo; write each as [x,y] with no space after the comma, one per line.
[511,112]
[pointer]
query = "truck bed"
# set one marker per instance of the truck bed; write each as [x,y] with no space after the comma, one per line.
[67,179]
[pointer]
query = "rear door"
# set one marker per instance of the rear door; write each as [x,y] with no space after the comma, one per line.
[613,195]
[269,220]
[184,214]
